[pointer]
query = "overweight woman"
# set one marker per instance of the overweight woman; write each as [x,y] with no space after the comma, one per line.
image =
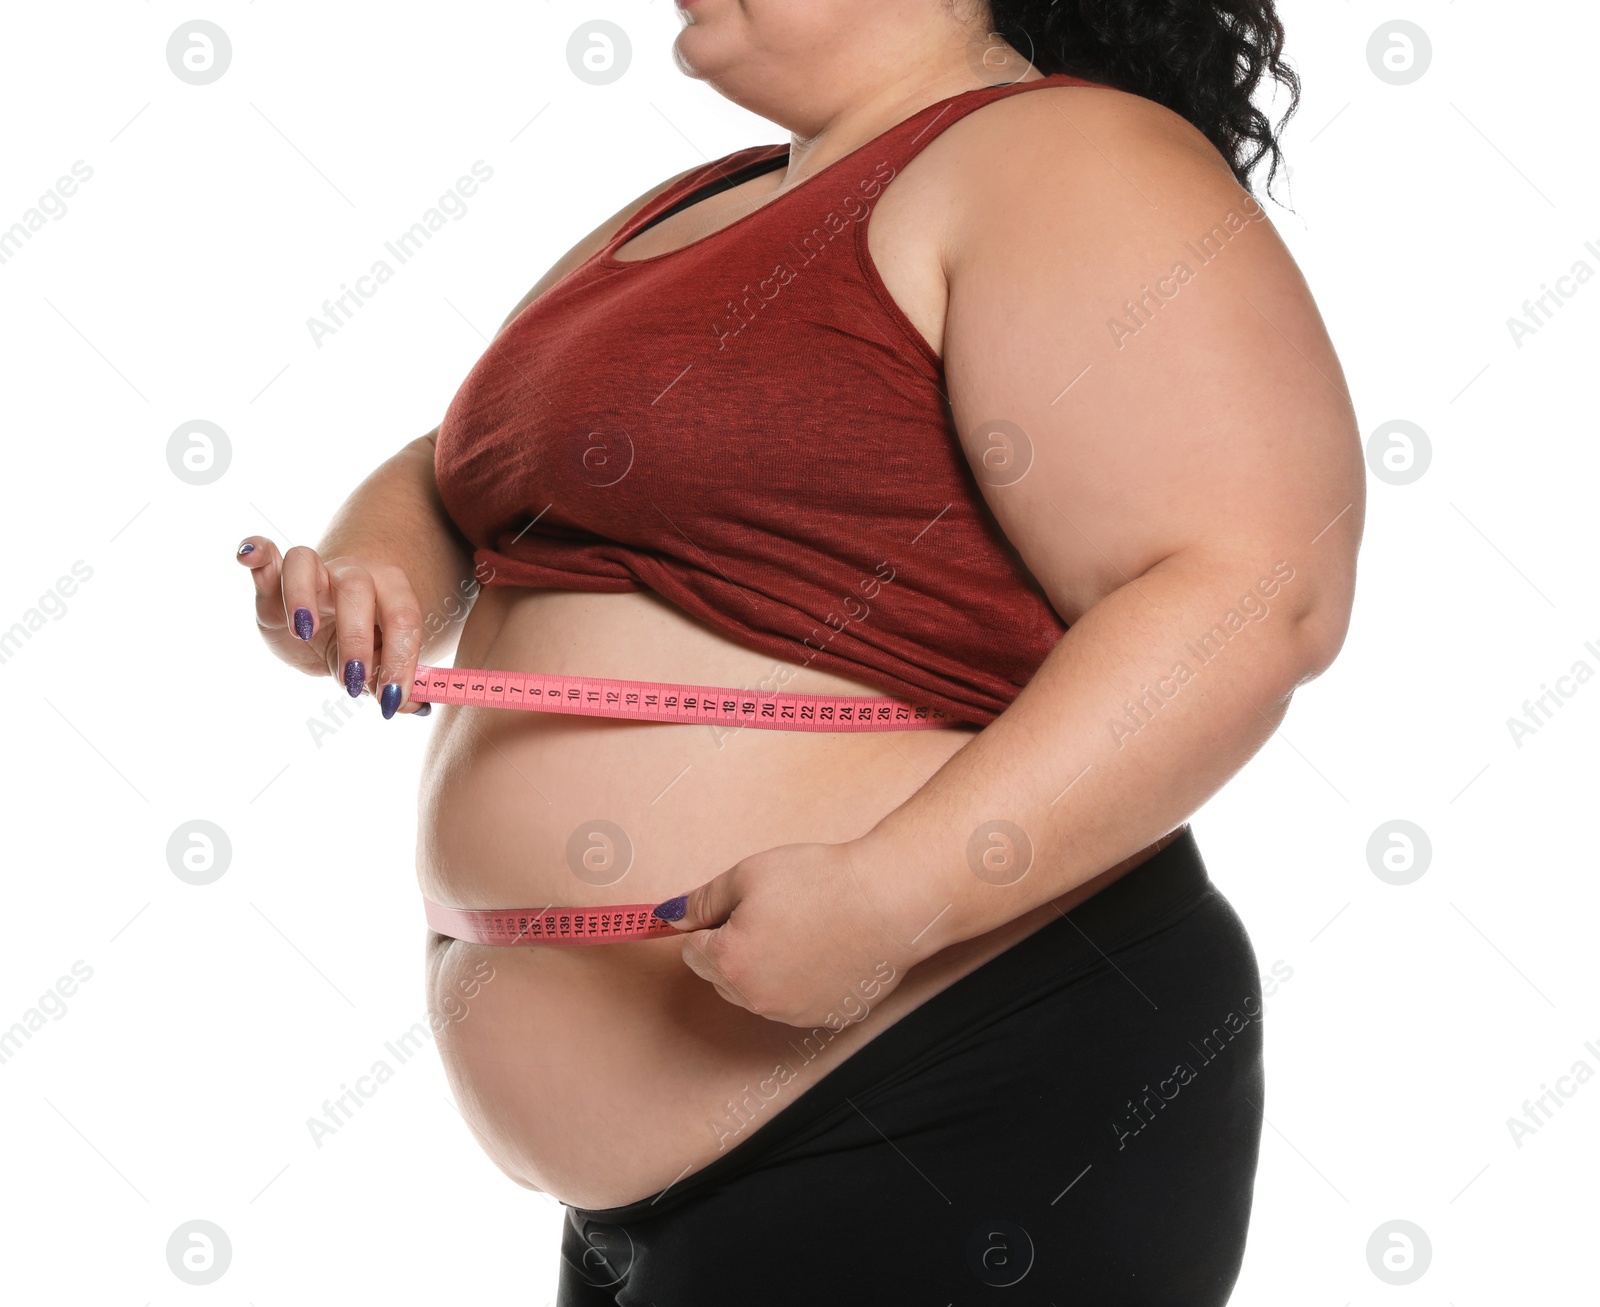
[990,413]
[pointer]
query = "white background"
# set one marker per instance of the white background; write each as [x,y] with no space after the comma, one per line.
[177,1082]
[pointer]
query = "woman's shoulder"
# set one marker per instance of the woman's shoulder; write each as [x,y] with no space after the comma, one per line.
[1089,129]
[1102,115]
[1102,163]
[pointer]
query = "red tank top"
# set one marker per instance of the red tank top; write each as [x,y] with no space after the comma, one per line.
[751,428]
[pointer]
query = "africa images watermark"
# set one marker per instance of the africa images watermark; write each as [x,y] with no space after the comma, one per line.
[52,1003]
[1141,312]
[1540,712]
[51,604]
[1540,311]
[740,1113]
[1536,1112]
[451,206]
[1140,1114]
[49,207]
[1203,649]
[854,609]
[852,209]
[338,1112]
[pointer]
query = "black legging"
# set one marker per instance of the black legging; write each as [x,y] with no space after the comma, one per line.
[1076,1122]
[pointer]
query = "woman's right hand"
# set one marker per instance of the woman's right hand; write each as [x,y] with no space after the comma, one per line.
[355,620]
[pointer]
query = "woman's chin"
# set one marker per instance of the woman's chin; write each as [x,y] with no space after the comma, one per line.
[692,53]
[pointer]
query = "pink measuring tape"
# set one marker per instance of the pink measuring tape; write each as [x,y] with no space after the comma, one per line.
[639,701]
[656,701]
[614,924]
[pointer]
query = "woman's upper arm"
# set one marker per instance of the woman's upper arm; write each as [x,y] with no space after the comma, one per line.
[1117,299]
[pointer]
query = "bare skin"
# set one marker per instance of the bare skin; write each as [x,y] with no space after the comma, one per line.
[1168,484]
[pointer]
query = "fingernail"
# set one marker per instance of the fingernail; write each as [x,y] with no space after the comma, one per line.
[423,711]
[672,909]
[355,677]
[246,548]
[390,702]
[302,623]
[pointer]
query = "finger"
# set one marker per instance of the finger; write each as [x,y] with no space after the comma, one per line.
[399,639]
[697,956]
[704,906]
[265,563]
[306,587]
[355,624]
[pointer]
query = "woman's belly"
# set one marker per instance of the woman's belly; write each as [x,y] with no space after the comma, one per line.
[602,1074]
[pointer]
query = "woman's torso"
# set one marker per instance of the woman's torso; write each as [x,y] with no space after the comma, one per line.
[604,1074]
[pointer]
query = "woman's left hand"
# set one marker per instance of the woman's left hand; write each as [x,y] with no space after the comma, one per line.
[796,933]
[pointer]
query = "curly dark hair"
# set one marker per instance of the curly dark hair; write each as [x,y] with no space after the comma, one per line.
[1203,59]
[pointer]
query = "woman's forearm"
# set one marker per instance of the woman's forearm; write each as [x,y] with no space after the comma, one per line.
[1148,704]
[395,517]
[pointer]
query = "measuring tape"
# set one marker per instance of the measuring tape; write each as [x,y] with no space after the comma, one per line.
[614,924]
[657,701]
[639,701]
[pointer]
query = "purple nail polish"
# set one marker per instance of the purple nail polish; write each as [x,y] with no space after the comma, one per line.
[423,711]
[672,909]
[390,702]
[355,677]
[302,623]
[246,548]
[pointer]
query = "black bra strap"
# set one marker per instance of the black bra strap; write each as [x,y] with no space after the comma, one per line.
[735,178]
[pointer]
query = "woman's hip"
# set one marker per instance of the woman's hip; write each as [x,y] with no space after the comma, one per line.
[1081,1113]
